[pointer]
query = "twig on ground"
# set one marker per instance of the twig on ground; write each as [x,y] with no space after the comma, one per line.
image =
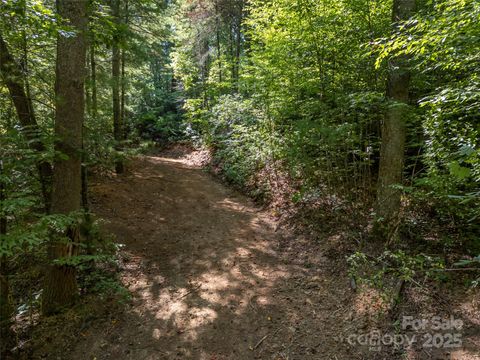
[190,291]
[263,339]
[260,342]
[433,295]
[461,269]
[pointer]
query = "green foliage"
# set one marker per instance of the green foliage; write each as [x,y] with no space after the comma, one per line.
[237,133]
[98,273]
[337,144]
[161,129]
[312,87]
[268,85]
[106,286]
[313,75]
[469,262]
[22,206]
[442,43]
[376,271]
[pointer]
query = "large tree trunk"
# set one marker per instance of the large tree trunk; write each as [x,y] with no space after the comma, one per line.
[13,79]
[60,287]
[117,118]
[393,135]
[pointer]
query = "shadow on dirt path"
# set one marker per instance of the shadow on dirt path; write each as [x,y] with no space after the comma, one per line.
[207,277]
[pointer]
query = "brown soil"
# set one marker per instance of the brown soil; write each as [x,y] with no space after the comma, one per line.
[206,274]
[213,277]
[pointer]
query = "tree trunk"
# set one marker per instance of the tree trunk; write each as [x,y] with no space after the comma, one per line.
[117,119]
[122,93]
[13,79]
[60,288]
[393,135]
[86,228]
[238,48]
[122,82]
[219,49]
[88,84]
[93,79]
[231,53]
[6,309]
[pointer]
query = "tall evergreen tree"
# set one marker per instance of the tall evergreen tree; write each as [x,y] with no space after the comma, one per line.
[60,288]
[13,78]
[116,84]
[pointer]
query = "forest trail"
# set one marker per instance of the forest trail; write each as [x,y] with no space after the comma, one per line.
[207,275]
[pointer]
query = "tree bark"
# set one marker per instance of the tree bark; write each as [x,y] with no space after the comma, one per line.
[219,49]
[6,309]
[88,84]
[122,82]
[93,79]
[232,53]
[14,80]
[238,48]
[122,93]
[117,118]
[219,55]
[393,135]
[60,288]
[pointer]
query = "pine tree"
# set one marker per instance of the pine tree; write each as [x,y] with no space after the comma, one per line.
[60,288]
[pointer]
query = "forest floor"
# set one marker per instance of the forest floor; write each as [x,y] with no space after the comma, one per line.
[215,277]
[208,276]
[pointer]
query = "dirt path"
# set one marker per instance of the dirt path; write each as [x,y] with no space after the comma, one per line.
[207,276]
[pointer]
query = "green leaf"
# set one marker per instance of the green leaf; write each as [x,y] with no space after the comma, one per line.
[458,171]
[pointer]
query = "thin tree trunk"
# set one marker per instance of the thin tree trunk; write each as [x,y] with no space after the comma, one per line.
[60,288]
[232,53]
[123,80]
[6,309]
[122,93]
[219,56]
[219,49]
[93,79]
[13,78]
[88,84]
[393,136]
[117,119]
[238,48]
[205,71]
[86,229]
[91,99]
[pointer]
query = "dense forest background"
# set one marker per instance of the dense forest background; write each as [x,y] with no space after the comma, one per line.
[356,109]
